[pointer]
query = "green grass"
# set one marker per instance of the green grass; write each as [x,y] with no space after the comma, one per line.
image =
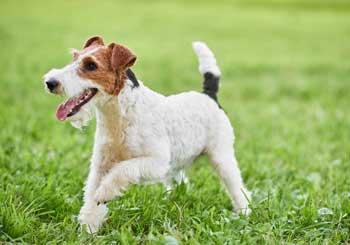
[285,86]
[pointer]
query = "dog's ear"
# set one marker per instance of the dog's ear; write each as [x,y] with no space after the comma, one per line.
[122,57]
[96,40]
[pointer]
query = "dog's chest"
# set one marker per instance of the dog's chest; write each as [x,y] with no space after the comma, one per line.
[109,153]
[110,145]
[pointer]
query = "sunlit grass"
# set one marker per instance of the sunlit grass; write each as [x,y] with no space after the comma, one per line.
[285,86]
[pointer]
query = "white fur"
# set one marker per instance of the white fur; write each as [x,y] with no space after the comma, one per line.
[161,135]
[207,61]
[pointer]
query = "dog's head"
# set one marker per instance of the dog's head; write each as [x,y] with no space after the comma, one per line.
[96,74]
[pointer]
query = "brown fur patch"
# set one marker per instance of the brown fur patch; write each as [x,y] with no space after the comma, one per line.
[112,62]
[115,150]
[104,75]
[122,58]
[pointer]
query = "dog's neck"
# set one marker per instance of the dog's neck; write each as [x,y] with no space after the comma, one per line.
[109,112]
[109,145]
[109,122]
[113,113]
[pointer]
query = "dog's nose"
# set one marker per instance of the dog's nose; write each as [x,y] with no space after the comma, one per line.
[52,84]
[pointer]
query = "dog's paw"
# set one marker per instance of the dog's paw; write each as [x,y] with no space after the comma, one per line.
[91,218]
[105,193]
[90,228]
[242,202]
[245,211]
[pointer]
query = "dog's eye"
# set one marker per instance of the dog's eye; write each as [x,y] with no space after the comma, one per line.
[90,66]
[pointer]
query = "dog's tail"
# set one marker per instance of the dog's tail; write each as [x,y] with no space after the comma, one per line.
[208,68]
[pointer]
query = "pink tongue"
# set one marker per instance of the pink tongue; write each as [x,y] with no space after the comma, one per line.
[64,109]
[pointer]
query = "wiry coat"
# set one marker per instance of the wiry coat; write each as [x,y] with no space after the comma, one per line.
[143,136]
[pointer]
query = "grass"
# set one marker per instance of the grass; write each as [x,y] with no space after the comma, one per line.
[285,87]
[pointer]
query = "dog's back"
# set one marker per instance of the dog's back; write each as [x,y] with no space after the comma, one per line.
[193,120]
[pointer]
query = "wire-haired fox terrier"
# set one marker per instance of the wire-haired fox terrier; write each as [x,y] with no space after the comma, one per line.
[141,135]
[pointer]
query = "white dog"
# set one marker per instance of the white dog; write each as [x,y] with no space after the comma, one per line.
[142,136]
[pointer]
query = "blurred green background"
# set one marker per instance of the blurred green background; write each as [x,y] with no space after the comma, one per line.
[285,86]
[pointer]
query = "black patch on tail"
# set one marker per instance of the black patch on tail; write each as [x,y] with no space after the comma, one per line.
[132,78]
[211,86]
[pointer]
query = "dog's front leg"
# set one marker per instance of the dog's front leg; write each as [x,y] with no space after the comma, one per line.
[129,172]
[91,214]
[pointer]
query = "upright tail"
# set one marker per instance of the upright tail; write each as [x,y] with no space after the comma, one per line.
[208,68]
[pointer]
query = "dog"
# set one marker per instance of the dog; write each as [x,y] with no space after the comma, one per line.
[142,136]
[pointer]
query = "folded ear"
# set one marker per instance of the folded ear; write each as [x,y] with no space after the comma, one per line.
[122,58]
[96,40]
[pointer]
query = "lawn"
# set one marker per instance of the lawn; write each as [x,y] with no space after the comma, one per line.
[285,87]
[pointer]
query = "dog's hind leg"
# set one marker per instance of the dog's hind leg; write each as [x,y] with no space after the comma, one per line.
[226,166]
[223,159]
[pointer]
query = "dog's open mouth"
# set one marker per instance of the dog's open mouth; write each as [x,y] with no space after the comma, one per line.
[73,104]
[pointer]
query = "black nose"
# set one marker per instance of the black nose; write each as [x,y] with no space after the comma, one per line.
[52,84]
